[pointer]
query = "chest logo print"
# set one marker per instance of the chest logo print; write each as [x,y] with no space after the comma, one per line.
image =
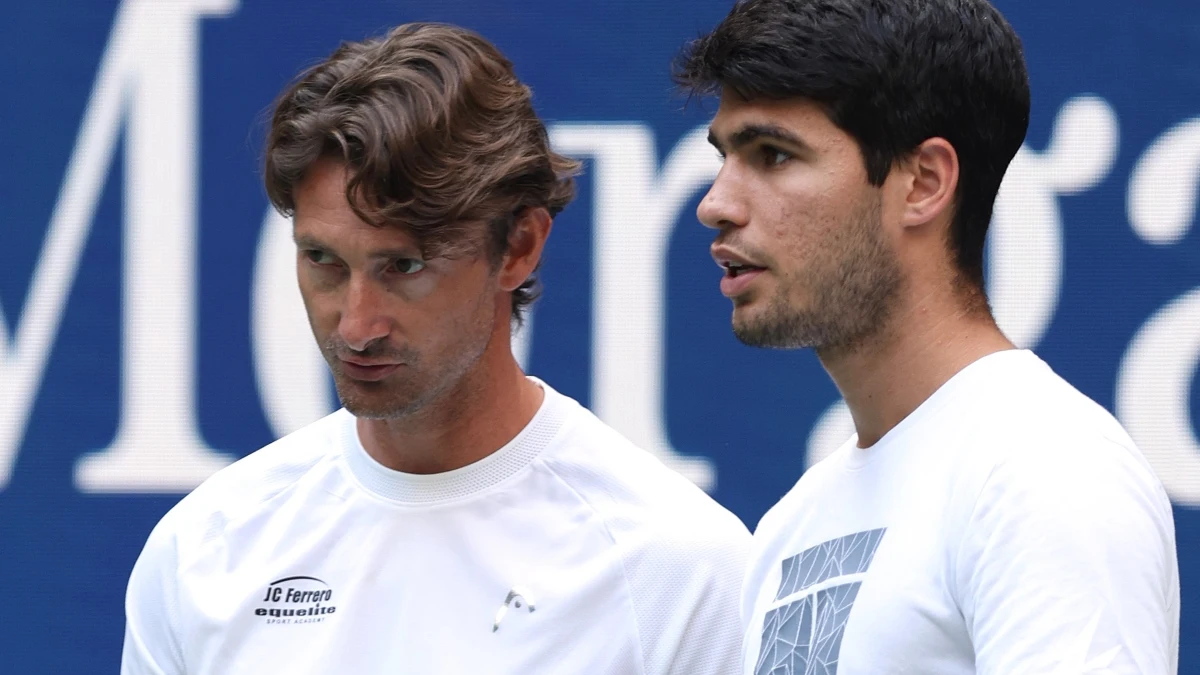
[298,599]
[804,636]
[517,596]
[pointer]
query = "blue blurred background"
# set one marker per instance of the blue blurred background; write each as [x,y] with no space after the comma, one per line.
[150,330]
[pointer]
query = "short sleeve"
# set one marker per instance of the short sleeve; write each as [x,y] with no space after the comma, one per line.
[152,639]
[1067,565]
[686,591]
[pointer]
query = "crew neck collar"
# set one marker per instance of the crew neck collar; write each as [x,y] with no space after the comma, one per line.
[1003,361]
[424,489]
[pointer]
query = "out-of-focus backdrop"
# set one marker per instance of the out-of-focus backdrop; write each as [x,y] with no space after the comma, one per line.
[150,331]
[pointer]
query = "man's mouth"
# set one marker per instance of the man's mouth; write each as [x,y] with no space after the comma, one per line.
[368,372]
[733,269]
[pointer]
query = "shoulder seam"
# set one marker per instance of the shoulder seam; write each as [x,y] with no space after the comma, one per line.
[264,499]
[607,531]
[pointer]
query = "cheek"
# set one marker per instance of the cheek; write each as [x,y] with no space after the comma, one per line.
[319,295]
[793,204]
[450,306]
[794,226]
[322,318]
[316,303]
[806,240]
[423,287]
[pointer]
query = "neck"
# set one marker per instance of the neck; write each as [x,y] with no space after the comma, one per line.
[488,407]
[927,342]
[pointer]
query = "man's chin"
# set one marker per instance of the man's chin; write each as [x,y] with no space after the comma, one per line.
[370,411]
[374,405]
[749,326]
[768,332]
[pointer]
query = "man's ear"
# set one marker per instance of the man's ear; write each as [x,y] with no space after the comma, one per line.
[931,183]
[525,244]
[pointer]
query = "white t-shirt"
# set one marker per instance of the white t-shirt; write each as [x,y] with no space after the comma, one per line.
[1007,526]
[567,551]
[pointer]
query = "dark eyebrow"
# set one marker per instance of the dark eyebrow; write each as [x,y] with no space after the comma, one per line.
[307,242]
[752,132]
[304,241]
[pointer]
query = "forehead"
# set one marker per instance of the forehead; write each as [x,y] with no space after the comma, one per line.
[324,216]
[323,212]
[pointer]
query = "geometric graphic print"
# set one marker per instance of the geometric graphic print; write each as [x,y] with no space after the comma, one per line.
[839,557]
[805,637]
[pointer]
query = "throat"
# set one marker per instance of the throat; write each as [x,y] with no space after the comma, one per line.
[887,379]
[454,432]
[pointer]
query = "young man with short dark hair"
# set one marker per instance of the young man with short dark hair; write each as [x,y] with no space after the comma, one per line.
[987,517]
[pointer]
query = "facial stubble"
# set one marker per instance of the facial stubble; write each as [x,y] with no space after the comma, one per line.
[418,384]
[850,283]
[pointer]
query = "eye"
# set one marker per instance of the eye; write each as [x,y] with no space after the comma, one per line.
[408,265]
[773,156]
[318,257]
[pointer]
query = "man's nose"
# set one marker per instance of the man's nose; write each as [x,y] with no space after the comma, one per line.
[363,319]
[724,205]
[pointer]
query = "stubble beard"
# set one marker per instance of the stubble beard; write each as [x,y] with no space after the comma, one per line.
[395,396]
[414,387]
[852,284]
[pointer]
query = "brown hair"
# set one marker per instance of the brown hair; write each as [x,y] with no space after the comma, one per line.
[437,133]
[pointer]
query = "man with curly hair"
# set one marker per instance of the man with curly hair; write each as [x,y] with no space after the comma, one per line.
[456,516]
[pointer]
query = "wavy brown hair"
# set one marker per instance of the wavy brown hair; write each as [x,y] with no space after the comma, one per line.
[438,136]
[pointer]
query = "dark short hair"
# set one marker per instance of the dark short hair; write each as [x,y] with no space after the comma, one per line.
[891,74]
[437,133]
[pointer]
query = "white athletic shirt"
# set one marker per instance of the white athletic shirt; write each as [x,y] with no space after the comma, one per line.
[1008,526]
[309,557]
